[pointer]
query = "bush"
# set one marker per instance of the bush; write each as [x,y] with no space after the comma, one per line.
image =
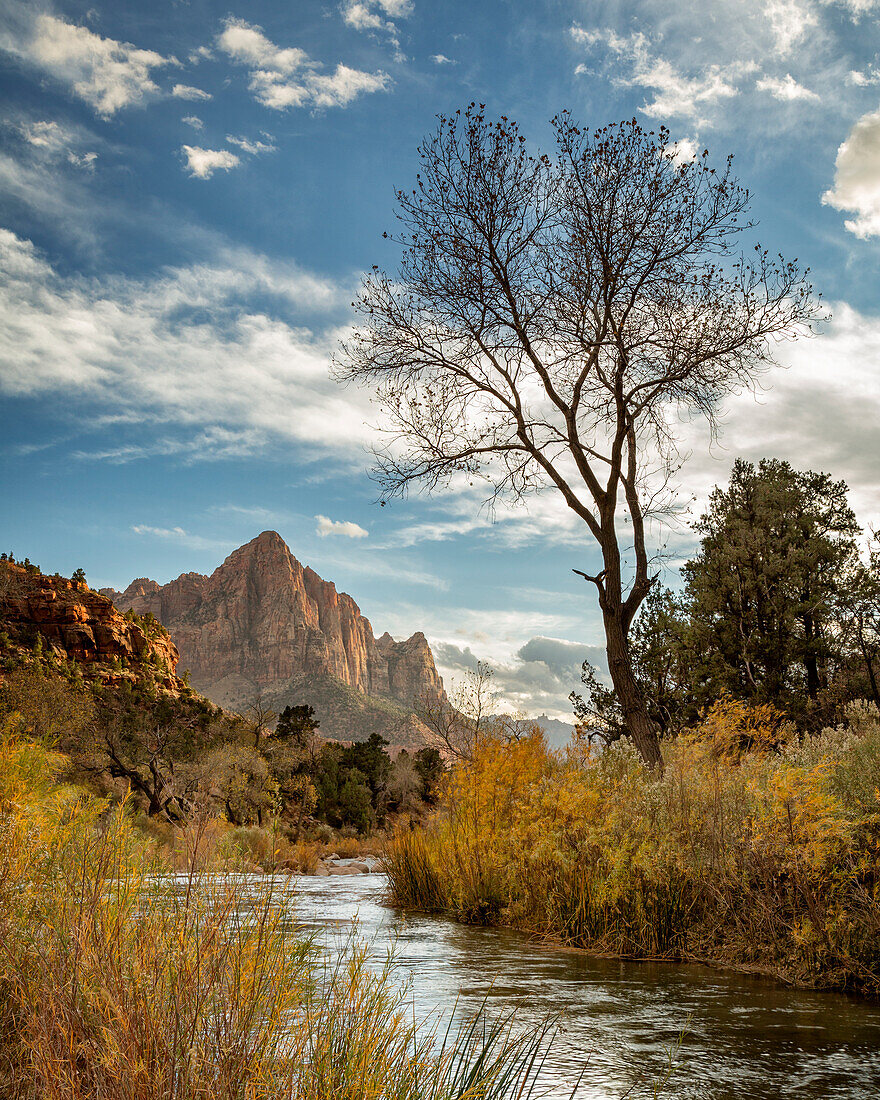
[751,848]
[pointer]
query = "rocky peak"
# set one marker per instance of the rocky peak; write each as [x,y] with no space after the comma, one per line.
[262,618]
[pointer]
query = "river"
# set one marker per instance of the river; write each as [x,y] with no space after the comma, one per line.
[748,1038]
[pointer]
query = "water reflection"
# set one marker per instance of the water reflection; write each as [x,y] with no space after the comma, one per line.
[748,1037]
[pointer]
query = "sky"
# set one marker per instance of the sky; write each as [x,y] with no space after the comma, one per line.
[190,193]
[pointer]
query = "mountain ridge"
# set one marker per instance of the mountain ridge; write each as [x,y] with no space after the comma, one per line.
[264,624]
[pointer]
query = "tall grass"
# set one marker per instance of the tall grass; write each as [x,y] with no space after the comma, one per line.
[121,982]
[753,848]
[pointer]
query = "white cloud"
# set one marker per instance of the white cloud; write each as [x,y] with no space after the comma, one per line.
[46,135]
[252,147]
[683,152]
[203,163]
[83,160]
[284,78]
[374,16]
[194,121]
[442,59]
[857,177]
[107,74]
[675,94]
[785,88]
[186,91]
[789,22]
[864,79]
[345,528]
[161,532]
[177,534]
[182,351]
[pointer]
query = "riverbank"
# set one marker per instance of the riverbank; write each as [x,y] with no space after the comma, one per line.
[751,850]
[122,980]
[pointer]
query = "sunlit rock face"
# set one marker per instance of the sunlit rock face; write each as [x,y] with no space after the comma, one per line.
[80,625]
[262,620]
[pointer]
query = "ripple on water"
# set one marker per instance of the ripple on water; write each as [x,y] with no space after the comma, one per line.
[748,1037]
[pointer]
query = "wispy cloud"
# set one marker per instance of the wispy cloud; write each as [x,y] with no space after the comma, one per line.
[182,537]
[377,17]
[282,78]
[252,147]
[184,348]
[186,91]
[676,95]
[785,88]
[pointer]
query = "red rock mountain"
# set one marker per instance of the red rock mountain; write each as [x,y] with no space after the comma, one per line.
[262,623]
[70,622]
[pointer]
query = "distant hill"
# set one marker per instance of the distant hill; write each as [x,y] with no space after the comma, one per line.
[558,733]
[263,625]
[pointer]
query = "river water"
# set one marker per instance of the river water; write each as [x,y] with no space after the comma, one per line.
[747,1038]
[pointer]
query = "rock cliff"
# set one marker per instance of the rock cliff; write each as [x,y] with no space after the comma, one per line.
[69,621]
[264,623]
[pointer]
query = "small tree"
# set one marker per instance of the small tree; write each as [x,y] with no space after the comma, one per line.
[548,320]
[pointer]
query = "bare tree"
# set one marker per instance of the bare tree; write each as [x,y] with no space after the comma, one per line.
[458,725]
[551,316]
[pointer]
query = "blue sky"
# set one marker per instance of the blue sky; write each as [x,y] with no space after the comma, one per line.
[189,193]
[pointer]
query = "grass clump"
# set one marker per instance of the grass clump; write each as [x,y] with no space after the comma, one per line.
[752,848]
[121,981]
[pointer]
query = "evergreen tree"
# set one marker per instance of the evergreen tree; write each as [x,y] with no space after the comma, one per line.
[777,546]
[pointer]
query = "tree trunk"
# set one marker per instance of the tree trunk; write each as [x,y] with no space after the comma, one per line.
[635,712]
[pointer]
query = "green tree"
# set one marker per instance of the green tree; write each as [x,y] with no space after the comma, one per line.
[777,546]
[663,666]
[354,803]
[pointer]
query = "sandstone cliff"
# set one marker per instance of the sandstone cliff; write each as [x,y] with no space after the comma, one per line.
[68,621]
[263,623]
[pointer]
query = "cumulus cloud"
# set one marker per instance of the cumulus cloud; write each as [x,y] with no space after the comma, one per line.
[282,78]
[785,88]
[186,91]
[857,177]
[204,350]
[442,59]
[538,677]
[346,528]
[194,121]
[203,163]
[106,74]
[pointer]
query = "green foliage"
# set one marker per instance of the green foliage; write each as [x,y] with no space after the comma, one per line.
[776,546]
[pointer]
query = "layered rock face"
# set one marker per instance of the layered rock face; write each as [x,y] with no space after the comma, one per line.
[80,625]
[262,621]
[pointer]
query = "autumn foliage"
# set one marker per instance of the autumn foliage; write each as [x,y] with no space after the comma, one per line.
[753,848]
